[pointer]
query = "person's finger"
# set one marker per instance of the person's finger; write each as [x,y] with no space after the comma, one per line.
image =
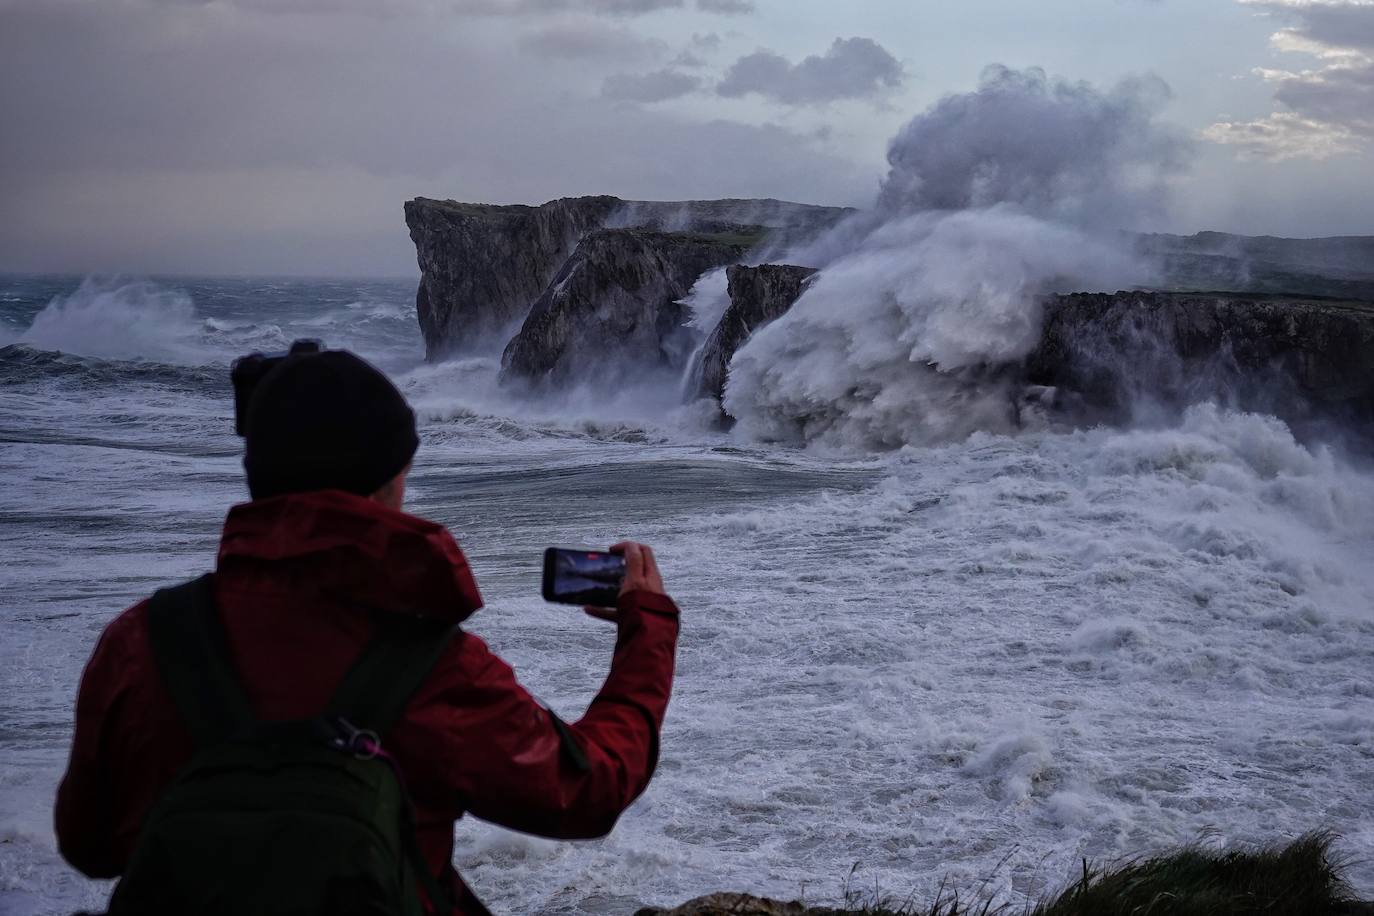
[602,613]
[634,560]
[650,561]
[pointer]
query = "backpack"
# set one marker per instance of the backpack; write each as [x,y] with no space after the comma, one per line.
[300,817]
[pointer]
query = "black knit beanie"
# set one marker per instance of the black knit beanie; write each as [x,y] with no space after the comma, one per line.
[326,421]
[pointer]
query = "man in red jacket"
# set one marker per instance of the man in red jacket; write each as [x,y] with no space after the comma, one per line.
[302,569]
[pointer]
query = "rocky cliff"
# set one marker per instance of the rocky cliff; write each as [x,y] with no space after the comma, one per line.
[482,266]
[614,308]
[1115,357]
[758,295]
[1303,359]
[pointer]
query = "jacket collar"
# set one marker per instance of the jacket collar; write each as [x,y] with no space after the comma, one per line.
[354,549]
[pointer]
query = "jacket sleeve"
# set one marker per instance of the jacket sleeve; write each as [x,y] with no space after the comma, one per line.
[84,815]
[506,759]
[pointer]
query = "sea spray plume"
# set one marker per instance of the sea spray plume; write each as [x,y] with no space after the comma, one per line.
[706,303]
[902,341]
[995,199]
[1058,150]
[129,320]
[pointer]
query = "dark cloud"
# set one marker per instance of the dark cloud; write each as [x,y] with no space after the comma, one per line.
[853,68]
[1324,111]
[658,86]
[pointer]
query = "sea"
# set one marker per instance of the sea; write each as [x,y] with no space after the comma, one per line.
[972,664]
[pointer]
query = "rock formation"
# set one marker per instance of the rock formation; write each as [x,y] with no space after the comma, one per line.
[483,266]
[1104,357]
[758,295]
[594,286]
[614,309]
[1299,358]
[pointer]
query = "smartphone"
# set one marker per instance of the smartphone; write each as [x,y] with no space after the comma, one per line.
[583,576]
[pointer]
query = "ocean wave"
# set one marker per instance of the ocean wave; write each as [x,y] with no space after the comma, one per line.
[25,363]
[129,321]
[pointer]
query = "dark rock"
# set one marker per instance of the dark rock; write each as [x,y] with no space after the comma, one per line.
[613,310]
[1118,357]
[735,905]
[1302,359]
[758,295]
[482,266]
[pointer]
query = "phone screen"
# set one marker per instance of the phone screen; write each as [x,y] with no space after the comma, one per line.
[582,576]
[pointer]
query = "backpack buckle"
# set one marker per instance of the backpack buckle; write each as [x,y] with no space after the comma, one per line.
[362,743]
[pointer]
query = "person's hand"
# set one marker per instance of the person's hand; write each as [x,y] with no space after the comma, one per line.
[641,574]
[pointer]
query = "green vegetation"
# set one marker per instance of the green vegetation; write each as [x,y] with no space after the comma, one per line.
[1300,879]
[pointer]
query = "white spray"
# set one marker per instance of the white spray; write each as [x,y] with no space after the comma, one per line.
[995,198]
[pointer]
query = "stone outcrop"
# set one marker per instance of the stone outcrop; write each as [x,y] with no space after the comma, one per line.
[483,266]
[758,295]
[614,308]
[1302,359]
[1108,356]
[594,286]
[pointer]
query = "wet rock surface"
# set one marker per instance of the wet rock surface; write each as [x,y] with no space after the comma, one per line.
[758,295]
[481,266]
[1302,359]
[614,309]
[1113,357]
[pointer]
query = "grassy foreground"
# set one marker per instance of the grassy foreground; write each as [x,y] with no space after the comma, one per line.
[1301,879]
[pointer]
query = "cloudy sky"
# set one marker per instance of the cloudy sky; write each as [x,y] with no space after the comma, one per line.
[282,136]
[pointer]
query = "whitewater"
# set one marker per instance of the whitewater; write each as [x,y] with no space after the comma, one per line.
[976,662]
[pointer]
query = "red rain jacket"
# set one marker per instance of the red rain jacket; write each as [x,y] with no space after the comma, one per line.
[296,581]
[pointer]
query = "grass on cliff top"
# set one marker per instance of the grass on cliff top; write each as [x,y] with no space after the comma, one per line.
[1300,879]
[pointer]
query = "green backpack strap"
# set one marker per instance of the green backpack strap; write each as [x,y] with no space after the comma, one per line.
[373,695]
[192,653]
[375,691]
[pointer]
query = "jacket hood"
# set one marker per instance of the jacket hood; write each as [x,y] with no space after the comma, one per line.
[356,549]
